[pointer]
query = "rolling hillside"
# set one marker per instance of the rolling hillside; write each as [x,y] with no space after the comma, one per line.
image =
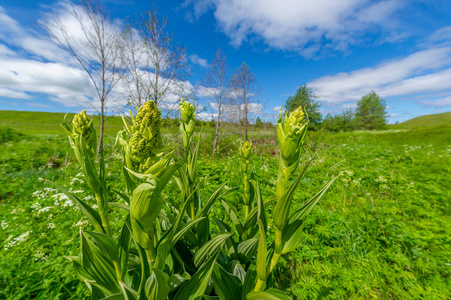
[45,122]
[435,120]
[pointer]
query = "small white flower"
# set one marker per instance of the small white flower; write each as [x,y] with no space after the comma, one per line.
[4,224]
[51,226]
[10,242]
[44,209]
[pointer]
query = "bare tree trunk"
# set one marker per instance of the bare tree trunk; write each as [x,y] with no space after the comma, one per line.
[102,125]
[245,122]
[215,143]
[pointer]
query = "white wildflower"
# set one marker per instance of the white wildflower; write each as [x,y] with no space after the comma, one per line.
[11,242]
[51,226]
[4,224]
[36,206]
[40,256]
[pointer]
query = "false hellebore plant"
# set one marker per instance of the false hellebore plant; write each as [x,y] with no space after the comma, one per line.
[163,252]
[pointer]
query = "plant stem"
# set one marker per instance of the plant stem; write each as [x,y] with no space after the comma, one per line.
[259,285]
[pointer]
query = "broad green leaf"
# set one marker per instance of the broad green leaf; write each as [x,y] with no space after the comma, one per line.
[185,229]
[250,280]
[157,285]
[105,243]
[98,266]
[216,195]
[197,285]
[224,227]
[123,243]
[237,270]
[120,205]
[211,248]
[279,294]
[160,166]
[270,294]
[292,232]
[119,296]
[139,235]
[246,250]
[128,292]
[82,273]
[175,281]
[235,220]
[251,220]
[146,203]
[227,285]
[169,239]
[90,213]
[122,195]
[283,205]
[261,253]
[169,172]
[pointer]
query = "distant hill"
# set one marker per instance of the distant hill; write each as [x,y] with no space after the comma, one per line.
[44,122]
[435,120]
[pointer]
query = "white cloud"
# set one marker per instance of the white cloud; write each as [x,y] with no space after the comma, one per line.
[33,66]
[300,25]
[277,108]
[7,93]
[427,71]
[195,59]
[443,102]
[12,33]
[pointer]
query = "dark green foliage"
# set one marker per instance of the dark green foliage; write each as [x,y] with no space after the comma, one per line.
[258,121]
[340,122]
[370,113]
[305,97]
[9,135]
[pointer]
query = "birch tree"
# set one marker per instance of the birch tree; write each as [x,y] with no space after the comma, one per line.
[93,43]
[245,91]
[216,86]
[156,64]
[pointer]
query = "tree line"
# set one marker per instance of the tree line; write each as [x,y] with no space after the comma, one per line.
[370,113]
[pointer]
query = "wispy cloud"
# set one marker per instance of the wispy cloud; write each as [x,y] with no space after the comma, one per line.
[195,59]
[307,27]
[442,102]
[422,73]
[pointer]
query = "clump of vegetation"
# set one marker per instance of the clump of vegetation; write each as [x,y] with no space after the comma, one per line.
[9,135]
[163,251]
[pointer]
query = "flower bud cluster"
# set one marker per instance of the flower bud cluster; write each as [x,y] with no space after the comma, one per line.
[290,135]
[188,121]
[145,138]
[83,125]
[245,156]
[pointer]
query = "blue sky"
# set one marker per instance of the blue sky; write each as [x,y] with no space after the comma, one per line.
[342,49]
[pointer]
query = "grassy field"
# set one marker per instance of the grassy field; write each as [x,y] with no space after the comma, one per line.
[381,232]
[41,122]
[443,119]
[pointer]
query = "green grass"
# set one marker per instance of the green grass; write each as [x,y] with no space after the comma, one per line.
[381,231]
[43,122]
[443,119]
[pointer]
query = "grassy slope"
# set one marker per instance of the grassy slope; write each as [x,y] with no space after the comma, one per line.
[43,122]
[442,119]
[345,254]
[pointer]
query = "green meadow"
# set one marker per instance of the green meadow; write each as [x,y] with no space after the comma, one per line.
[382,231]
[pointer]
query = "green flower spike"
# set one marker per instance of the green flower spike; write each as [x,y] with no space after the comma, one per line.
[290,136]
[82,125]
[145,139]
[188,121]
